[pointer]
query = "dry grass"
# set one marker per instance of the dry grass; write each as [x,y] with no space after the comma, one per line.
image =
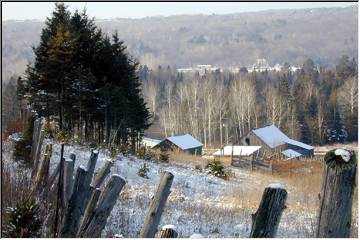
[14,185]
[297,165]
[187,159]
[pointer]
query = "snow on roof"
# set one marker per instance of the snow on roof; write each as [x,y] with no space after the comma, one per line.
[237,150]
[151,140]
[300,144]
[185,141]
[273,137]
[291,153]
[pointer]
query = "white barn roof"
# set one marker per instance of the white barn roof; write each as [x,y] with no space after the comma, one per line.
[289,153]
[237,150]
[273,137]
[150,142]
[185,141]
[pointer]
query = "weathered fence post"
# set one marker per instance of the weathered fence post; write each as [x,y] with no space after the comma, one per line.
[75,206]
[42,174]
[37,152]
[168,231]
[266,219]
[106,203]
[68,179]
[91,165]
[252,164]
[157,206]
[90,173]
[102,173]
[89,211]
[36,132]
[59,197]
[336,194]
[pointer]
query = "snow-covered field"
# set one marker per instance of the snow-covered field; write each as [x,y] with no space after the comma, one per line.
[198,203]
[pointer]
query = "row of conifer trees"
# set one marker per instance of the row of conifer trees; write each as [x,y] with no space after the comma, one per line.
[85,80]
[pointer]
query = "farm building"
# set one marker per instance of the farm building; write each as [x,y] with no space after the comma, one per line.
[149,142]
[242,152]
[184,143]
[273,141]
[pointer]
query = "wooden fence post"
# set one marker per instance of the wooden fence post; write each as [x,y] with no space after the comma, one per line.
[106,203]
[60,208]
[91,165]
[73,157]
[75,206]
[266,219]
[68,179]
[102,173]
[168,231]
[89,211]
[157,206]
[336,194]
[42,174]
[90,172]
[36,132]
[37,153]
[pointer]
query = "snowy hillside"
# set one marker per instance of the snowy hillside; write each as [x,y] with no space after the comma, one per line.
[198,203]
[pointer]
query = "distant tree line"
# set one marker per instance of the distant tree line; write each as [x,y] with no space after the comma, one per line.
[314,105]
[85,81]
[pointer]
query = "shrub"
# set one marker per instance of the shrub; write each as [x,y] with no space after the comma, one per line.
[22,148]
[164,156]
[94,145]
[124,149]
[141,152]
[150,155]
[48,131]
[216,168]
[22,152]
[23,220]
[61,136]
[198,167]
[143,171]
[113,152]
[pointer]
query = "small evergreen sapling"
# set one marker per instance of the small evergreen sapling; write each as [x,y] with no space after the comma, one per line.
[23,220]
[143,171]
[216,168]
[164,156]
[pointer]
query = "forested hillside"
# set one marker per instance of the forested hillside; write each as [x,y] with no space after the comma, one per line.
[317,106]
[323,35]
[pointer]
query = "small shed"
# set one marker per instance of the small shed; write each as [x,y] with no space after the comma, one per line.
[184,143]
[149,142]
[242,152]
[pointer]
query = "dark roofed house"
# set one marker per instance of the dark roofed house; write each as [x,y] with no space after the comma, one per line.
[184,143]
[274,141]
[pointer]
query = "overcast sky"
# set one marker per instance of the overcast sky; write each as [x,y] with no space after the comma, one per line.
[107,10]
